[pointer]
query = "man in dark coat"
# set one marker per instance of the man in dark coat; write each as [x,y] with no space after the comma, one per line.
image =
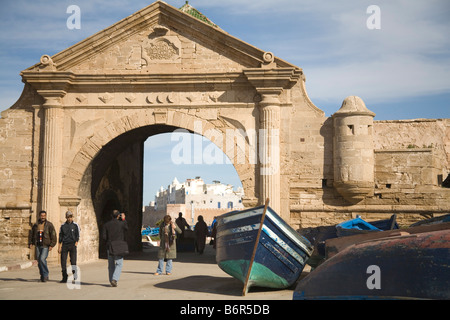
[114,230]
[69,234]
[201,232]
[43,236]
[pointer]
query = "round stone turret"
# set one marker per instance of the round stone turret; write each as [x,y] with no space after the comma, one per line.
[353,153]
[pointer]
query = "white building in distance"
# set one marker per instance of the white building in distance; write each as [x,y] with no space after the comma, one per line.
[195,193]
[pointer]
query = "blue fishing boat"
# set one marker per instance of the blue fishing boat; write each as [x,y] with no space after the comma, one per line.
[358,226]
[409,266]
[259,249]
[354,226]
[150,231]
[318,236]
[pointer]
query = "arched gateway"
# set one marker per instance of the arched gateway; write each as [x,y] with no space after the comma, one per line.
[160,69]
[74,139]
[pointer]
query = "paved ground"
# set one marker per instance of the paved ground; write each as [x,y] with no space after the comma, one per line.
[194,277]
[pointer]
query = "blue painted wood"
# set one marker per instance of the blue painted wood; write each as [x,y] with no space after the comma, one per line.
[358,225]
[150,231]
[281,253]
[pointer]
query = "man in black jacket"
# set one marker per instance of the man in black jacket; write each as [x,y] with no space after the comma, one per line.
[114,230]
[43,236]
[69,234]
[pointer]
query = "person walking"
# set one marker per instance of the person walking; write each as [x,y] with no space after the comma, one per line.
[114,233]
[43,237]
[167,248]
[69,235]
[201,232]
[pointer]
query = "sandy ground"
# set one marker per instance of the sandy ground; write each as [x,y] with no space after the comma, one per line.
[194,277]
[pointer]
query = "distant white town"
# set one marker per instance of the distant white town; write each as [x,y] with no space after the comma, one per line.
[193,197]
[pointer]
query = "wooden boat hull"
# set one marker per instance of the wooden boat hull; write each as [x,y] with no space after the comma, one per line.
[414,266]
[336,245]
[279,253]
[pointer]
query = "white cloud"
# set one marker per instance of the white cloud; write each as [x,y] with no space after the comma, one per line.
[408,56]
[392,77]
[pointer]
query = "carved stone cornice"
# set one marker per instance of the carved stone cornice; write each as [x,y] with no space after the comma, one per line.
[127,81]
[272,81]
[51,85]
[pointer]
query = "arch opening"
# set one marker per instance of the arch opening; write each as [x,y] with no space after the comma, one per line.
[116,176]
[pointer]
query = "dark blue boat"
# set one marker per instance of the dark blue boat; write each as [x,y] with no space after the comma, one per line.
[258,248]
[411,266]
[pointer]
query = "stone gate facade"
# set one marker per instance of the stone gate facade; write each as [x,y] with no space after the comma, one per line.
[74,139]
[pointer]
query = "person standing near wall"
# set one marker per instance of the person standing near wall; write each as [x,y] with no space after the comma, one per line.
[114,233]
[69,234]
[168,247]
[43,237]
[201,232]
[182,224]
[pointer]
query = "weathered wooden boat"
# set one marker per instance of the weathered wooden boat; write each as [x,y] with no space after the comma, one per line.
[435,220]
[386,224]
[317,237]
[258,248]
[412,266]
[335,245]
[358,226]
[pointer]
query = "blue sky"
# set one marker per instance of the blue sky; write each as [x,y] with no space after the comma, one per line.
[401,71]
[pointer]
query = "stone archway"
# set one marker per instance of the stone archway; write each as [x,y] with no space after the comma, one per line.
[82,182]
[123,79]
[171,118]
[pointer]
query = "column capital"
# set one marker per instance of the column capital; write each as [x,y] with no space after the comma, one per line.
[69,201]
[52,98]
[269,99]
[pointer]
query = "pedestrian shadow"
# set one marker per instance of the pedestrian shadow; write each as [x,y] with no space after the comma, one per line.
[139,272]
[205,284]
[151,254]
[34,280]
[19,279]
[95,284]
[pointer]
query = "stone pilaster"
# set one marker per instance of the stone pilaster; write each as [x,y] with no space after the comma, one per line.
[269,149]
[52,158]
[270,81]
